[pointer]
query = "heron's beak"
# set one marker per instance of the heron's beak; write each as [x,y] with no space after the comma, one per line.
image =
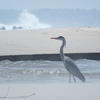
[54,38]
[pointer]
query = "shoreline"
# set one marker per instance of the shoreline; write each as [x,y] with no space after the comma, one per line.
[51,57]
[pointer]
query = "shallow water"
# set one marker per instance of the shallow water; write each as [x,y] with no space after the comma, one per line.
[46,71]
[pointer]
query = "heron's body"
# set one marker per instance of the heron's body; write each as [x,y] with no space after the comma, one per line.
[69,63]
[72,68]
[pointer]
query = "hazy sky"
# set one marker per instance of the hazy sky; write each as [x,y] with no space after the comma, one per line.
[54,4]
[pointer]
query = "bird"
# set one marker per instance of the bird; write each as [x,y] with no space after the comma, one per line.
[69,64]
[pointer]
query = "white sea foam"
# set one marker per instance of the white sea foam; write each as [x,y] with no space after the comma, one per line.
[26,20]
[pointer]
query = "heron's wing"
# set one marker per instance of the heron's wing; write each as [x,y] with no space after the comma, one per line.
[72,68]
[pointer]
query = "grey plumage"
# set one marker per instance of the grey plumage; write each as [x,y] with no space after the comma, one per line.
[69,63]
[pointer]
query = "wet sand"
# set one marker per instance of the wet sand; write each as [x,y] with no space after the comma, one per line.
[78,91]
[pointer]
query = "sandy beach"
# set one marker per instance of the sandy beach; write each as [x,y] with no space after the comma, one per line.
[20,42]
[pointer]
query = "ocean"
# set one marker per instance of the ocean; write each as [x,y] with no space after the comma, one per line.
[44,71]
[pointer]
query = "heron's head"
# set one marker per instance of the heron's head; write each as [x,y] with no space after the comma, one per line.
[59,38]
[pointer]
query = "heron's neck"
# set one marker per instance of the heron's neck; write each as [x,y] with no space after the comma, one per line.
[61,50]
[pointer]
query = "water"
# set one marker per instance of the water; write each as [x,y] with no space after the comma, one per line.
[46,71]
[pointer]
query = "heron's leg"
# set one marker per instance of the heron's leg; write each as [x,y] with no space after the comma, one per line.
[74,78]
[69,77]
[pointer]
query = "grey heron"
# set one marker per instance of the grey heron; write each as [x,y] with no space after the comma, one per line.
[69,63]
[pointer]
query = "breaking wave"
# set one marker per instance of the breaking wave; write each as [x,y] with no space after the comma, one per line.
[26,20]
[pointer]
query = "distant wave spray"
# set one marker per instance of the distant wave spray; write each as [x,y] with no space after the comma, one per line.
[26,20]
